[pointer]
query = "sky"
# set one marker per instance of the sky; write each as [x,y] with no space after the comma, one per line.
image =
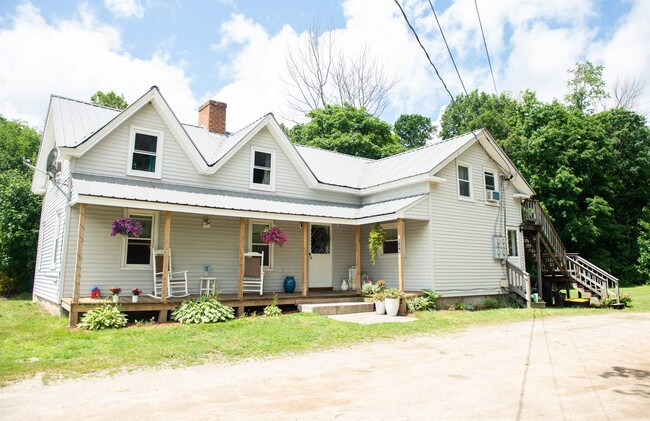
[235,51]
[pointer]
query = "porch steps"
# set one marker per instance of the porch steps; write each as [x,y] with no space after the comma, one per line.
[329,309]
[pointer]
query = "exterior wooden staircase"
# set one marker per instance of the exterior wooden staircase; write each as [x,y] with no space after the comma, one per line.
[544,247]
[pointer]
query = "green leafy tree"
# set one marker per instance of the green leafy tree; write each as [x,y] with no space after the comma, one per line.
[347,129]
[109,99]
[20,210]
[643,241]
[413,130]
[586,87]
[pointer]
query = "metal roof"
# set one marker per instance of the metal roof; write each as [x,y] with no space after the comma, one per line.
[148,191]
[350,171]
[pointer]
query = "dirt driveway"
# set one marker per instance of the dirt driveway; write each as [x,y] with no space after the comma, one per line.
[579,368]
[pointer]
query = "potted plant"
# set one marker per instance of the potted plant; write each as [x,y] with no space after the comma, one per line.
[368,289]
[126,227]
[136,293]
[115,293]
[379,299]
[274,235]
[376,241]
[392,298]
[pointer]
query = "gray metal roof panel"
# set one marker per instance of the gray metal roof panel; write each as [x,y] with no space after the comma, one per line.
[147,191]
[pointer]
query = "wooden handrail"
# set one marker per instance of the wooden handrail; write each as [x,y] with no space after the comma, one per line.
[519,281]
[532,211]
[594,278]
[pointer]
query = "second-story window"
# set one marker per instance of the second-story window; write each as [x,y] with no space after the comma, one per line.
[464,181]
[145,153]
[262,171]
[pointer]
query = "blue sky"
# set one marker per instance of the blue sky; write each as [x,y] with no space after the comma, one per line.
[234,51]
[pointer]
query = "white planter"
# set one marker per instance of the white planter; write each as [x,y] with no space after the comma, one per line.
[380,308]
[116,298]
[134,298]
[392,306]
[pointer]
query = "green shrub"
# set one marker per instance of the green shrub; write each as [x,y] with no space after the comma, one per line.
[273,310]
[490,303]
[205,309]
[432,296]
[9,285]
[625,299]
[107,316]
[418,304]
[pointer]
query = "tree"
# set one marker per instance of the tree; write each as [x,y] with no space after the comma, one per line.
[320,74]
[643,241]
[413,130]
[347,129]
[586,87]
[626,93]
[20,211]
[110,99]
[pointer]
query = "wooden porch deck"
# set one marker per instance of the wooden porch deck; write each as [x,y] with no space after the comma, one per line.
[147,303]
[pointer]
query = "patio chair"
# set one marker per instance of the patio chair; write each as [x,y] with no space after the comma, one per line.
[254,272]
[177,286]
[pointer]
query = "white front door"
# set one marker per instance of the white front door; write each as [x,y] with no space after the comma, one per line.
[320,256]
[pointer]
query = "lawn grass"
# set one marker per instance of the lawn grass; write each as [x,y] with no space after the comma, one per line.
[32,341]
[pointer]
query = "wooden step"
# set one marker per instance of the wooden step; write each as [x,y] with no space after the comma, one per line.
[329,309]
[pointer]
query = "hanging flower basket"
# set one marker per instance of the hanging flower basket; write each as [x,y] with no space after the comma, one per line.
[126,227]
[274,235]
[376,241]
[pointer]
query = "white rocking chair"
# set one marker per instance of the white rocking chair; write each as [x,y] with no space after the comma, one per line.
[177,285]
[254,272]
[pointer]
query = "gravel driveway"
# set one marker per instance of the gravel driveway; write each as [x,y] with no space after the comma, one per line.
[577,368]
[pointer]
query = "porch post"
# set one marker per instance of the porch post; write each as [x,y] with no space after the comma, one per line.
[166,241]
[74,315]
[304,259]
[240,284]
[539,268]
[357,280]
[400,263]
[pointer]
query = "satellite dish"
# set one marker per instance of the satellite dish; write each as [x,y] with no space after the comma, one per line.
[51,163]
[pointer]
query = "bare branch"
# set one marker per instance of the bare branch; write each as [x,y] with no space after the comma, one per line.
[626,92]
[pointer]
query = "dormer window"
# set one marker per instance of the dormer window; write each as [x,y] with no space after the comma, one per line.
[262,170]
[145,153]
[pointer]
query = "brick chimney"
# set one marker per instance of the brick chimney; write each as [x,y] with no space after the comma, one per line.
[212,116]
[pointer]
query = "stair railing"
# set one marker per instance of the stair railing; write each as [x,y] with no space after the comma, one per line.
[594,278]
[532,212]
[519,281]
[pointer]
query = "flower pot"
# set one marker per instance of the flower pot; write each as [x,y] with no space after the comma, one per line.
[344,285]
[380,307]
[134,298]
[392,306]
[289,284]
[116,298]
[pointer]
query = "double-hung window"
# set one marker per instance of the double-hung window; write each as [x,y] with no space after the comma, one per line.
[464,180]
[513,243]
[138,250]
[391,244]
[145,152]
[262,170]
[491,190]
[256,244]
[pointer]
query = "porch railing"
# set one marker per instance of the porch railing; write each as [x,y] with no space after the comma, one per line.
[592,277]
[518,282]
[532,212]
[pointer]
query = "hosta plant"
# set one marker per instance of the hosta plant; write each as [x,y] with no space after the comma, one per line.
[205,309]
[106,316]
[273,309]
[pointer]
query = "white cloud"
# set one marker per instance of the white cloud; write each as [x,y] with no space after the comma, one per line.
[75,58]
[125,8]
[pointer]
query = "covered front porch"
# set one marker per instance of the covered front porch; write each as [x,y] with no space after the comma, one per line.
[148,303]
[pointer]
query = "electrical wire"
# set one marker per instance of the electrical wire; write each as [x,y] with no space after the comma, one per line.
[486,49]
[448,49]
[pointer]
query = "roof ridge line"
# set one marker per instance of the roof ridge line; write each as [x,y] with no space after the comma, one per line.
[85,102]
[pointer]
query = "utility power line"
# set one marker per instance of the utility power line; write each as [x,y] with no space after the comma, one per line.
[486,49]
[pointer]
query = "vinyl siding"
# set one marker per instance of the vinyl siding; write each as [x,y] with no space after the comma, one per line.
[463,230]
[343,253]
[420,211]
[47,279]
[404,191]
[417,270]
[192,247]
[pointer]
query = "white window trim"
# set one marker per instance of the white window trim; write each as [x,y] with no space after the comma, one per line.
[250,239]
[508,243]
[154,238]
[402,242]
[255,186]
[458,180]
[159,152]
[496,185]
[55,239]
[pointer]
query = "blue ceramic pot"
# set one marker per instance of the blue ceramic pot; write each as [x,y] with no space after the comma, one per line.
[289,284]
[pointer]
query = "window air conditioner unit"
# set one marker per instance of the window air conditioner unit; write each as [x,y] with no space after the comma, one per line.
[492,195]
